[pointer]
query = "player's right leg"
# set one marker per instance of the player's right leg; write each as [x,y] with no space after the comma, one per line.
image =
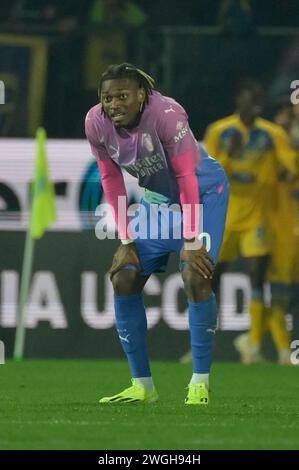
[255,249]
[131,326]
[130,315]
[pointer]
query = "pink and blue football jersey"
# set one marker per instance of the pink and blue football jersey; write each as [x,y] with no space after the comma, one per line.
[160,151]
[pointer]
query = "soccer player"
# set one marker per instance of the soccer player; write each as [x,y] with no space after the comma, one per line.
[250,150]
[284,223]
[137,129]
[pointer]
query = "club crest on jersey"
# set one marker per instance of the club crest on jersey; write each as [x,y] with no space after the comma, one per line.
[147,142]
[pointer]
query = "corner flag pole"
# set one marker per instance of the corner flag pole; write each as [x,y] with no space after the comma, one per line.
[43,213]
[25,283]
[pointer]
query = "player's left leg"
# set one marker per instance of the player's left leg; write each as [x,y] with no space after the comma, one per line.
[256,268]
[201,299]
[281,294]
[202,324]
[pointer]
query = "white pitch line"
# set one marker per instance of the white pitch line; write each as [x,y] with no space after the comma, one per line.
[105,423]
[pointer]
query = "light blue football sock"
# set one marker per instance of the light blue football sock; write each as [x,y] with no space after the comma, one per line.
[202,324]
[131,326]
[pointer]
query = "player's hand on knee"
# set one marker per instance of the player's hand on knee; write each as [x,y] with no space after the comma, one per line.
[199,260]
[125,254]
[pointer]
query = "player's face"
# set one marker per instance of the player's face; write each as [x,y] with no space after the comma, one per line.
[284,118]
[250,103]
[121,100]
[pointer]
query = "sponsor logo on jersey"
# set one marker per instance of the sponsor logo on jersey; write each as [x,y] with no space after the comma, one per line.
[181,134]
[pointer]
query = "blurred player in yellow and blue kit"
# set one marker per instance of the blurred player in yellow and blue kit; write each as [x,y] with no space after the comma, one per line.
[284,222]
[250,149]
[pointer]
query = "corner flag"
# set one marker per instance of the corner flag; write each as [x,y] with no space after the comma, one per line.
[43,213]
[43,204]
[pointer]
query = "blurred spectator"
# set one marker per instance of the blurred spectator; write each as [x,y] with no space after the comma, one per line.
[109,24]
[6,8]
[64,101]
[115,13]
[276,13]
[43,16]
[235,17]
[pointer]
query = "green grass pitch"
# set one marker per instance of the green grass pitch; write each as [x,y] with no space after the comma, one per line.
[53,404]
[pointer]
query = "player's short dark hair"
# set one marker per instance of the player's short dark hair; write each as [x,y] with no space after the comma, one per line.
[127,70]
[248,84]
